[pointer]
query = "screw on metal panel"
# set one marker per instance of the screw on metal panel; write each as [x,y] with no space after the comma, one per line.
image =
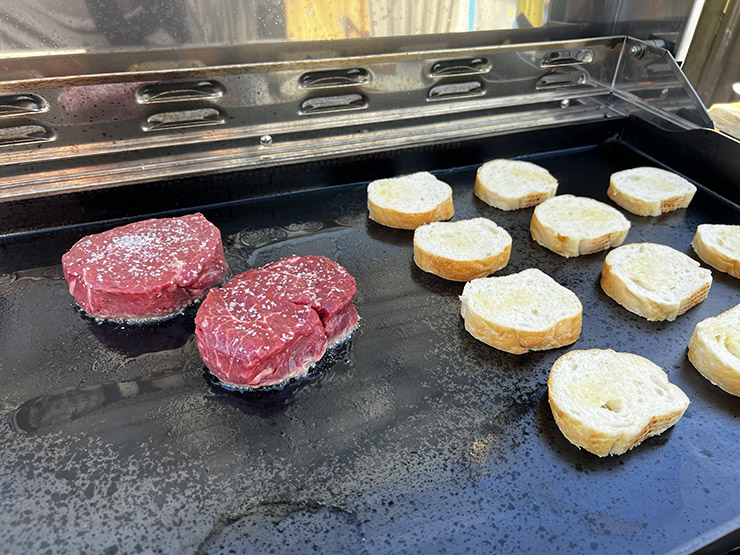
[564,103]
[266,140]
[637,50]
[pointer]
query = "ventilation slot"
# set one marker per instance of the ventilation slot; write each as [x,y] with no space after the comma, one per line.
[183,119]
[323,104]
[22,104]
[179,92]
[334,78]
[465,66]
[568,57]
[452,91]
[22,134]
[562,79]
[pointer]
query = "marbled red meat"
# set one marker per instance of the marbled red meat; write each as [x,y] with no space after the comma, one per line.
[271,324]
[332,286]
[146,270]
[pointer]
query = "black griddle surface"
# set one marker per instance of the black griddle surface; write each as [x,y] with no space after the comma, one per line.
[413,437]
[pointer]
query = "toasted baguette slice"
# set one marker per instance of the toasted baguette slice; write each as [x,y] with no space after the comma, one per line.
[650,191]
[654,281]
[408,201]
[714,350]
[571,226]
[727,117]
[512,184]
[528,311]
[463,250]
[719,246]
[608,402]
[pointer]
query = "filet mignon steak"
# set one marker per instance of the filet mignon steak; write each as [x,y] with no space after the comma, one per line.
[146,270]
[333,288]
[268,325]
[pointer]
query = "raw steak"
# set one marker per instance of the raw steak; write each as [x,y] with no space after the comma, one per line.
[146,270]
[333,288]
[268,325]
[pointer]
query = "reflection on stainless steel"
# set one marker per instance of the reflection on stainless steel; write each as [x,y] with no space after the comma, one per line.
[22,104]
[213,118]
[648,83]
[25,134]
[179,92]
[335,78]
[568,57]
[562,77]
[463,89]
[163,121]
[466,66]
[138,25]
[335,103]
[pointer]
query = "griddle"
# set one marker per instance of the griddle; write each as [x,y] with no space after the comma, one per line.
[412,437]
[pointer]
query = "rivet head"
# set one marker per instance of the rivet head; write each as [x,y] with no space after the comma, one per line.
[266,140]
[564,103]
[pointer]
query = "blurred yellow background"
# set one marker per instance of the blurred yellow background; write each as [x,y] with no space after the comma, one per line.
[340,19]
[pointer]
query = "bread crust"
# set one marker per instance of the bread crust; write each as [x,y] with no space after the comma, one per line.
[642,207]
[570,246]
[400,218]
[460,270]
[651,309]
[503,203]
[516,341]
[512,339]
[598,441]
[490,196]
[706,356]
[602,444]
[714,257]
[410,220]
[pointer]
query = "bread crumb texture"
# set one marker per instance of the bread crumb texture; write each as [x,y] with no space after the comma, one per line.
[513,184]
[462,250]
[572,226]
[719,246]
[609,402]
[649,191]
[408,201]
[527,311]
[714,350]
[654,281]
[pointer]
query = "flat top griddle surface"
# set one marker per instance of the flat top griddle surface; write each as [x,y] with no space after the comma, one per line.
[411,437]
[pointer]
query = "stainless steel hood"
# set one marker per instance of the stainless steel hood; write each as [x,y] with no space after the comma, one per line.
[80,132]
[97,94]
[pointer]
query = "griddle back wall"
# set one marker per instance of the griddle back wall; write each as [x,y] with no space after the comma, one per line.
[186,194]
[702,155]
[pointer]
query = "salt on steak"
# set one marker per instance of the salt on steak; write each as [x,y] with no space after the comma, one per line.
[146,270]
[333,289]
[268,325]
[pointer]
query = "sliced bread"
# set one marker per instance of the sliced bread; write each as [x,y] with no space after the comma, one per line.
[571,226]
[650,191]
[607,402]
[654,281]
[714,350]
[726,117]
[462,250]
[512,184]
[719,246]
[528,311]
[408,201]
